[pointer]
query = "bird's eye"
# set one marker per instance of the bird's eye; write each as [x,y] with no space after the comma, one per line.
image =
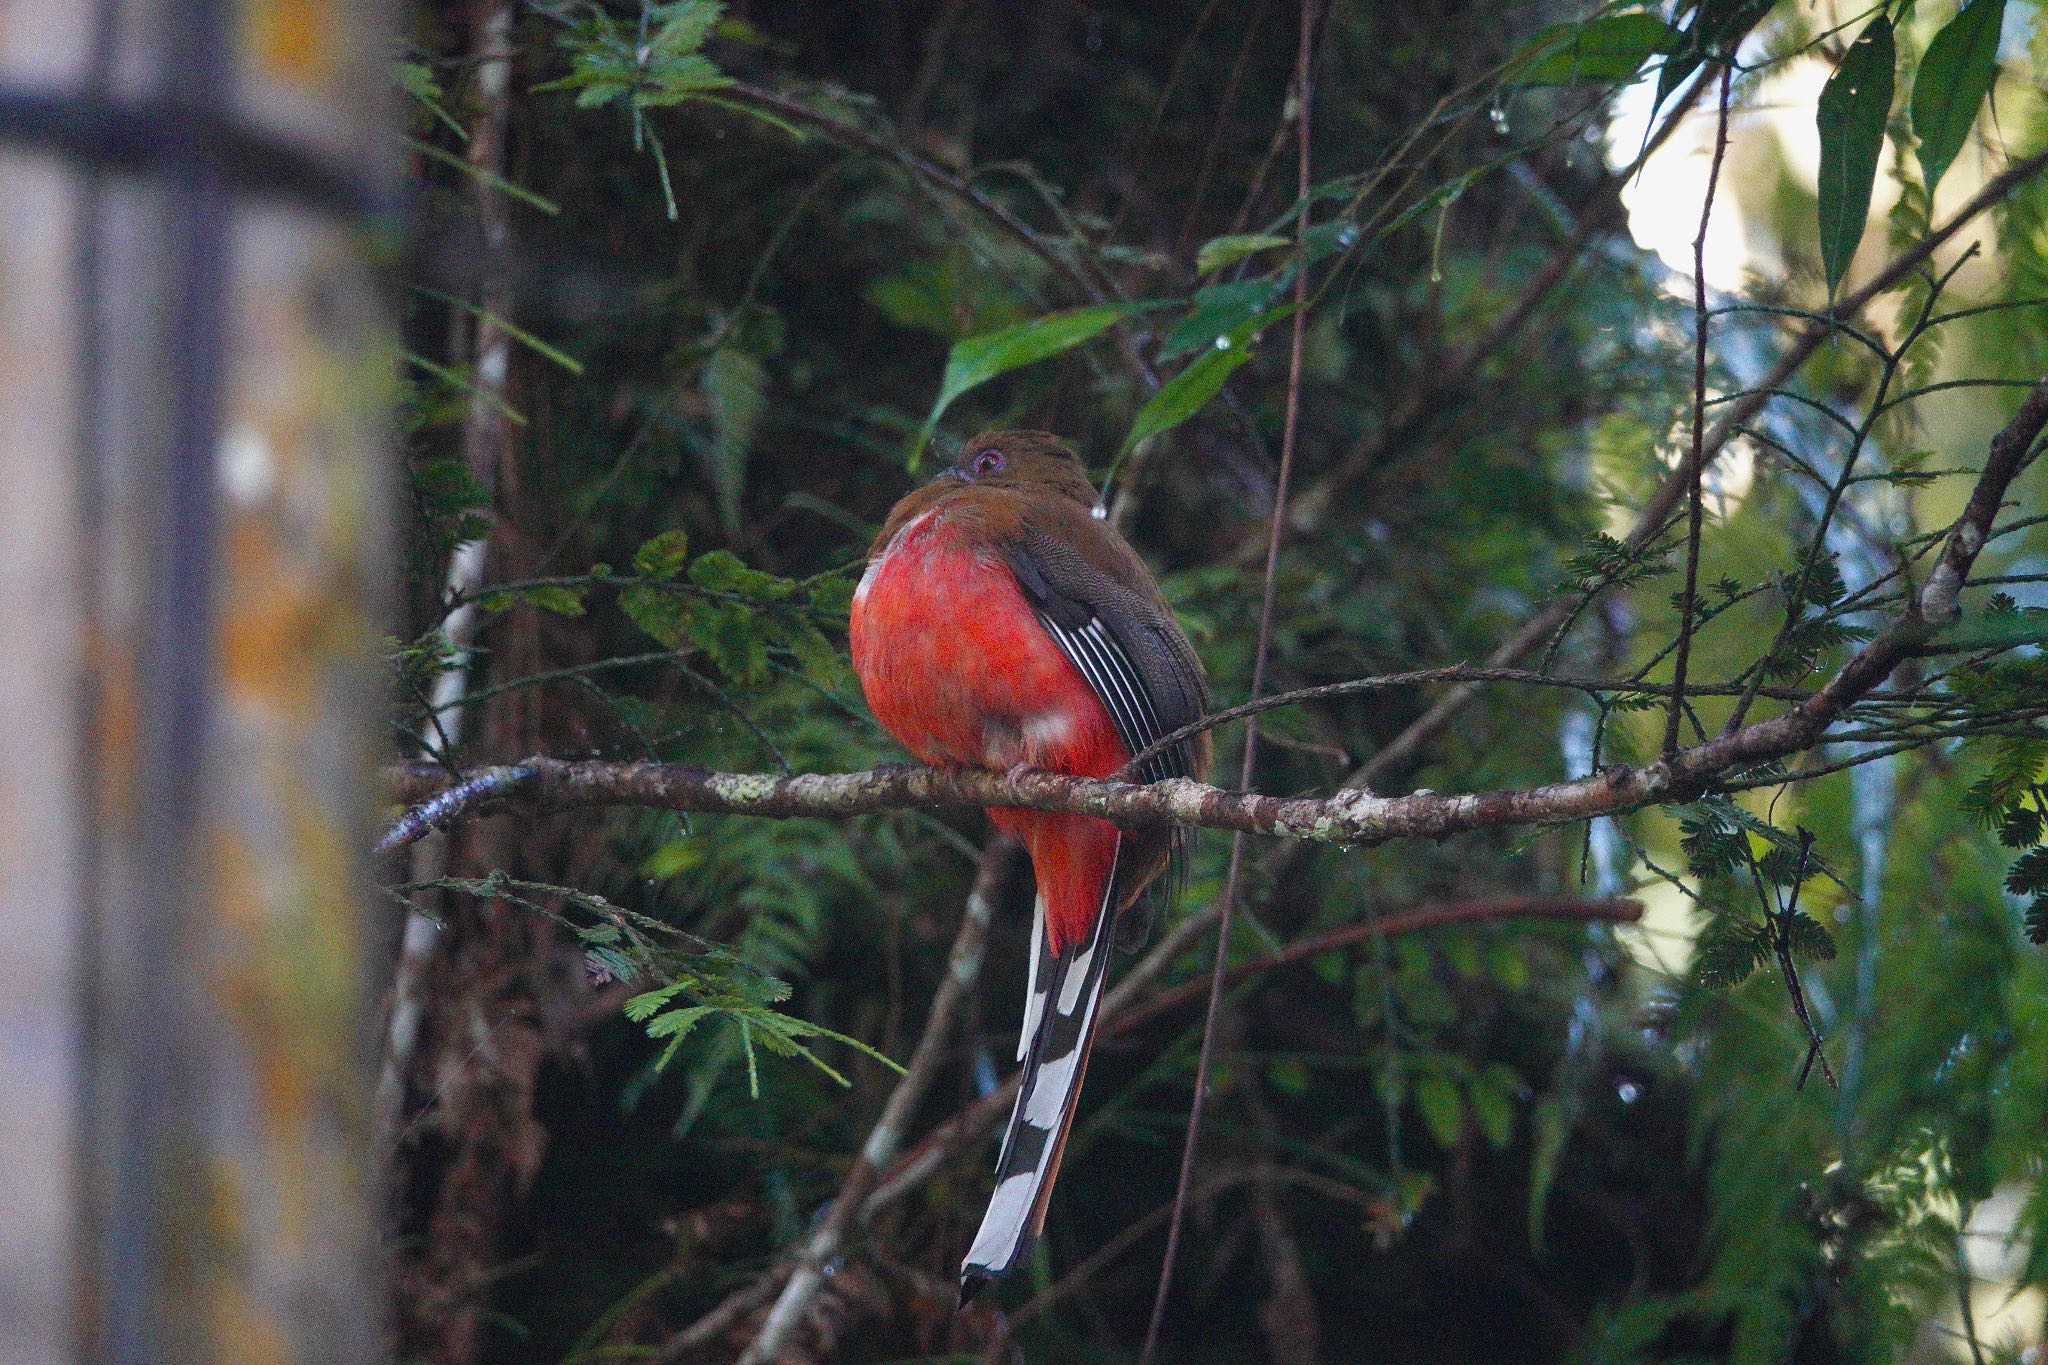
[987,462]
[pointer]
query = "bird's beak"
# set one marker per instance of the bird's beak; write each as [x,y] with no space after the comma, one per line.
[951,471]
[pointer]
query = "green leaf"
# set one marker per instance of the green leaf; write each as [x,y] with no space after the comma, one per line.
[1711,845]
[1717,30]
[1612,47]
[679,29]
[676,1022]
[524,338]
[2020,827]
[1809,939]
[1219,252]
[1219,309]
[562,599]
[675,1027]
[1493,1107]
[735,387]
[1289,1077]
[732,638]
[478,173]
[663,556]
[1729,951]
[418,81]
[724,571]
[976,360]
[1824,585]
[2028,626]
[673,858]
[1851,117]
[458,379]
[660,613]
[1189,391]
[1509,968]
[1442,1110]
[2028,875]
[1954,77]
[642,1007]
[832,597]
[1549,1127]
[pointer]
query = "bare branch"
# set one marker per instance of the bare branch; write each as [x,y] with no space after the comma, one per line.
[1695,508]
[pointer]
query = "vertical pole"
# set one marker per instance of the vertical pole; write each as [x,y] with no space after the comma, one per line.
[193,370]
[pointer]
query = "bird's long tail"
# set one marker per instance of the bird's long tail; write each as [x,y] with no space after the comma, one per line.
[1059,1028]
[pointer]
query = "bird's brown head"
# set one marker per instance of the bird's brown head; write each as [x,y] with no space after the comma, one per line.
[1027,461]
[998,475]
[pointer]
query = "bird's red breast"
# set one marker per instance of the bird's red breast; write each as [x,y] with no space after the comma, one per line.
[956,664]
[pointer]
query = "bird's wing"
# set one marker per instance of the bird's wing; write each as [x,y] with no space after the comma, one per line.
[1060,1023]
[1129,649]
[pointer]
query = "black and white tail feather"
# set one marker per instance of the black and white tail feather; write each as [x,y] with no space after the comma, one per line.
[1142,670]
[1060,1005]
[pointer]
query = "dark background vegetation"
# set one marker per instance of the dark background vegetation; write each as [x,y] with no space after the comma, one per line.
[1506,1140]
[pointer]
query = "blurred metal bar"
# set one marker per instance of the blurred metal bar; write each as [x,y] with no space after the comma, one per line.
[193,370]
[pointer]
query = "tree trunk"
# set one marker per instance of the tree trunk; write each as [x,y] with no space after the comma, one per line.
[193,373]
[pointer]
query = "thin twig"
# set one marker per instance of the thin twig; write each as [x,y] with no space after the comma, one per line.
[1781,947]
[1275,534]
[1224,104]
[1075,269]
[1963,1286]
[1408,921]
[1597,213]
[1695,463]
[486,445]
[1461,673]
[1426,727]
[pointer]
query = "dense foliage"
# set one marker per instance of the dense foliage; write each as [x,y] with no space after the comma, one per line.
[750,266]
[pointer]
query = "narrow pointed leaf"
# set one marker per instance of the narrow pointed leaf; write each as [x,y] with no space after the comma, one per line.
[1218,252]
[1851,118]
[1954,77]
[976,360]
[1609,48]
[1717,29]
[1189,391]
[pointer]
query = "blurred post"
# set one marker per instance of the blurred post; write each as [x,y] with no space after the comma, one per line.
[194,365]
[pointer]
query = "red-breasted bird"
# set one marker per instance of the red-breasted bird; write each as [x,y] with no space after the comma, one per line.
[1001,624]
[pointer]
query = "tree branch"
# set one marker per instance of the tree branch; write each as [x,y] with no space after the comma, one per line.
[1352,816]
[1738,414]
[1276,532]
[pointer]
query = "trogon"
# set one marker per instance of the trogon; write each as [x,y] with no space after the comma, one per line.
[1001,624]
